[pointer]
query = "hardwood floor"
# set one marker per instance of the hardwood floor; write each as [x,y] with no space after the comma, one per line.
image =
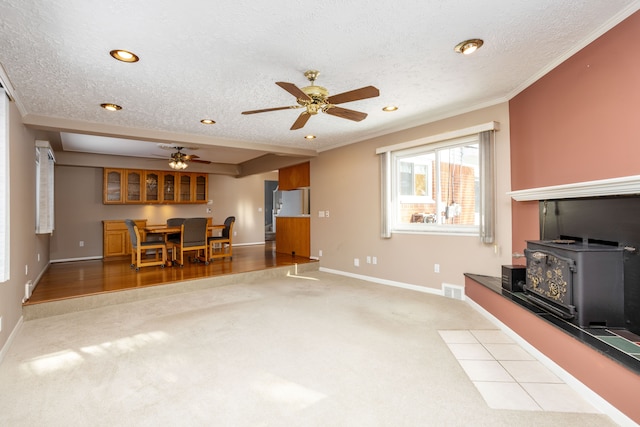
[81,278]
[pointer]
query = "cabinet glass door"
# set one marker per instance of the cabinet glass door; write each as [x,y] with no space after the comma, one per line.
[201,188]
[169,187]
[185,187]
[151,189]
[113,186]
[134,186]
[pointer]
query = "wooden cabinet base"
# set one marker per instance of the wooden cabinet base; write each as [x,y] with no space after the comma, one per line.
[293,236]
[116,240]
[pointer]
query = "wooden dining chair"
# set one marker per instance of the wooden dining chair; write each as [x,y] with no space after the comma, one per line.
[222,246]
[139,249]
[170,238]
[193,237]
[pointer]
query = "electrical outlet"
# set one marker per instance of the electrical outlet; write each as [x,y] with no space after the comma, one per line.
[81,243]
[26,270]
[208,210]
[320,252]
[436,268]
[38,257]
[374,260]
[368,259]
[235,233]
[356,262]
[326,214]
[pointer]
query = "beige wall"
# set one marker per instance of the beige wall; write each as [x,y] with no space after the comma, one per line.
[346,182]
[25,245]
[79,210]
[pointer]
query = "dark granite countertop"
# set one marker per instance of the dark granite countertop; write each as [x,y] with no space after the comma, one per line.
[593,337]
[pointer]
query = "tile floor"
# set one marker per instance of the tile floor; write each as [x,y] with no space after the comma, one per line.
[507,376]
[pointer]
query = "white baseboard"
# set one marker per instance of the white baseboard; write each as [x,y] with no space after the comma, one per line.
[7,344]
[589,395]
[385,281]
[89,258]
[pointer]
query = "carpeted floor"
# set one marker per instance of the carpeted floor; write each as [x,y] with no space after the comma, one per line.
[310,350]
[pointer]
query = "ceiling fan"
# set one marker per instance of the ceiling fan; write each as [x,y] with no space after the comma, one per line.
[316,98]
[179,159]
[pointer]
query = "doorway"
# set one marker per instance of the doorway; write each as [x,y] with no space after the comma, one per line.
[270,191]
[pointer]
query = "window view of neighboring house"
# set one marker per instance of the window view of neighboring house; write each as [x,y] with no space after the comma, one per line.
[435,186]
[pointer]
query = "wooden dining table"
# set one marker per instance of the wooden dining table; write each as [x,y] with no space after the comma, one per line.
[164,230]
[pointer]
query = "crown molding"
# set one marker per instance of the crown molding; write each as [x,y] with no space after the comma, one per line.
[605,187]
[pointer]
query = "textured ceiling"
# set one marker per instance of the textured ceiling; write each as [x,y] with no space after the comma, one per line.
[202,59]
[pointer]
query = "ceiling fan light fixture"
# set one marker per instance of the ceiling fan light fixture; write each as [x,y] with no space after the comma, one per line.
[124,55]
[467,47]
[178,164]
[207,122]
[111,107]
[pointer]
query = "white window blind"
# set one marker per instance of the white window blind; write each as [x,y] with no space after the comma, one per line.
[4,186]
[44,188]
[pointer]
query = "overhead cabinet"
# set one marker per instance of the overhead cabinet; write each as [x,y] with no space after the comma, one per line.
[134,186]
[293,177]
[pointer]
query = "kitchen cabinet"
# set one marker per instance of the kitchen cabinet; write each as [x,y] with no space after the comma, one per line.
[293,235]
[293,177]
[185,189]
[113,185]
[169,187]
[116,240]
[133,186]
[152,187]
[200,190]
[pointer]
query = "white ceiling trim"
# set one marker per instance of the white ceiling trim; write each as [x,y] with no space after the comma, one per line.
[605,187]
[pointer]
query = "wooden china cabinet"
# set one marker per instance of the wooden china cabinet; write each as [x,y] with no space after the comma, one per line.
[134,186]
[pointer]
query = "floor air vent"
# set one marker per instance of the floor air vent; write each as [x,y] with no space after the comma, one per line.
[453,291]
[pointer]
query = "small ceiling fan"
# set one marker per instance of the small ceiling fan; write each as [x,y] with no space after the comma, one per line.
[316,99]
[179,159]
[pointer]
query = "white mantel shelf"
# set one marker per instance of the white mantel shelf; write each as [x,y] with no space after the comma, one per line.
[605,187]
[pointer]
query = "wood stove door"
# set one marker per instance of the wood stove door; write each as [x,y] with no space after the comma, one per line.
[550,281]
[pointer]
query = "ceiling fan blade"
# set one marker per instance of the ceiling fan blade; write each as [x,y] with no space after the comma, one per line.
[270,109]
[294,90]
[195,159]
[354,95]
[356,116]
[301,121]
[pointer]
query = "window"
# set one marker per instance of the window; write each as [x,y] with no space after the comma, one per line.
[441,184]
[434,187]
[4,186]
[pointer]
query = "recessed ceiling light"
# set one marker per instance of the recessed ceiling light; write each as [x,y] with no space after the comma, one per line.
[390,108]
[124,55]
[207,122]
[111,107]
[310,137]
[467,47]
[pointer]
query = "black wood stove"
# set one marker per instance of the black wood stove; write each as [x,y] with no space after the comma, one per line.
[578,280]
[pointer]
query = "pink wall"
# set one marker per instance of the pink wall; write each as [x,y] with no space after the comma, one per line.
[580,122]
[609,379]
